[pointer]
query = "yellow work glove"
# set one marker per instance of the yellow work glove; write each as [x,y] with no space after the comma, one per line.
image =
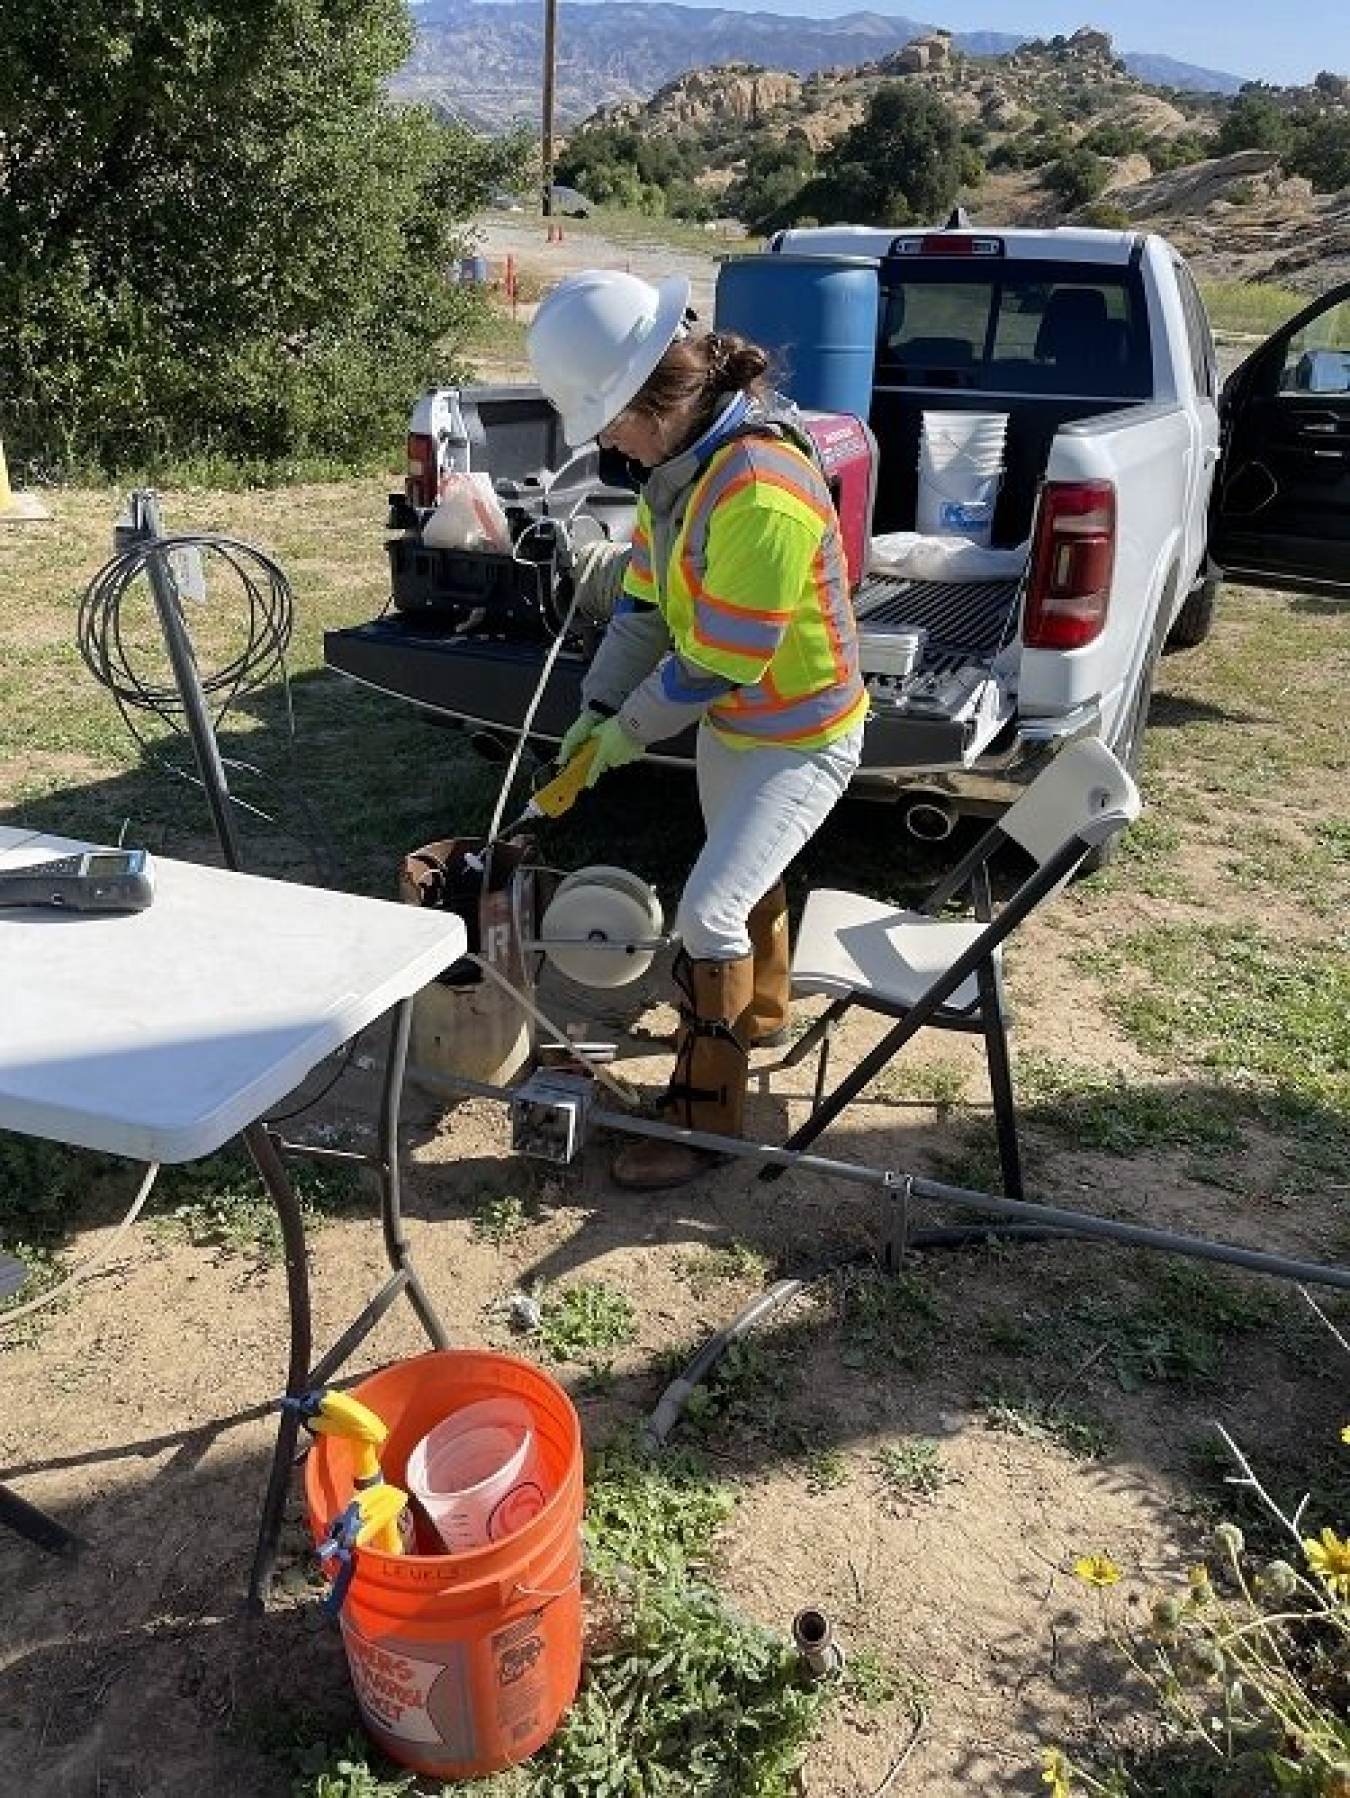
[613,747]
[577,734]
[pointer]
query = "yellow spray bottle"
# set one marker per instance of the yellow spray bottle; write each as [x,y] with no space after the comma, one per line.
[385,1526]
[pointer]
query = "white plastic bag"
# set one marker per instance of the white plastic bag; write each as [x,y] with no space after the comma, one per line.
[913,555]
[469,515]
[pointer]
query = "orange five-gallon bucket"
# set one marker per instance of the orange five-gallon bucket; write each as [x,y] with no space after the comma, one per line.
[463,1663]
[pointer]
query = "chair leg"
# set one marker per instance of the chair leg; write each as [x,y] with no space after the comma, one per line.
[1000,1085]
[823,1115]
[829,1024]
[806,1042]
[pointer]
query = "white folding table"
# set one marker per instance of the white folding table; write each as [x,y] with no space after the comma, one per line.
[161,1034]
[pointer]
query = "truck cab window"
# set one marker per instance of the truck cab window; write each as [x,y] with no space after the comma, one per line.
[1317,359]
[1199,338]
[934,333]
[986,329]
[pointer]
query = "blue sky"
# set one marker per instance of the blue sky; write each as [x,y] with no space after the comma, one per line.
[1256,40]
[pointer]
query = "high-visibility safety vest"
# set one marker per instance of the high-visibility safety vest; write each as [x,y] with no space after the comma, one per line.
[742,553]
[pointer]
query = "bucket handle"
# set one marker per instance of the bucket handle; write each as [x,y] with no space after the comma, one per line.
[520,1590]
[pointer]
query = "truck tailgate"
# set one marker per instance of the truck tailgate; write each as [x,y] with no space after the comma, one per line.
[943,714]
[960,693]
[480,681]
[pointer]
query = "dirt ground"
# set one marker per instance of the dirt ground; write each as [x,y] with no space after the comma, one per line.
[142,1415]
[141,1418]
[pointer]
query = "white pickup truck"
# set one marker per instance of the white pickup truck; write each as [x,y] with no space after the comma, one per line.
[1104,546]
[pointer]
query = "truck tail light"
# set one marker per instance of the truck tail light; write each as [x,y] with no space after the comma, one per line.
[420,482]
[1071,563]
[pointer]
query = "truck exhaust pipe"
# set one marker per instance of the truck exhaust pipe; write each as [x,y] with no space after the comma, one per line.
[930,820]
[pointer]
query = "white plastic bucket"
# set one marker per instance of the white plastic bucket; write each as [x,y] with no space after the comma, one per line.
[477,1473]
[960,467]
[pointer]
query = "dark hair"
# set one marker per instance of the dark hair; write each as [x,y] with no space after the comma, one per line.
[703,370]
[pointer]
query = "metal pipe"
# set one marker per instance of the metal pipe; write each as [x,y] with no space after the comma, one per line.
[1022,1211]
[813,1634]
[146,531]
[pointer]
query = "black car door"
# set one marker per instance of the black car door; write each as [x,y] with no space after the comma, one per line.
[1280,513]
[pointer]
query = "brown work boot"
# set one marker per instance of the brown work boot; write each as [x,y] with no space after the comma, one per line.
[766,1025]
[707,1089]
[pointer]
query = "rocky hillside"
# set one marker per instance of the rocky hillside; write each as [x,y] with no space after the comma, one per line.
[482,60]
[1004,94]
[1240,216]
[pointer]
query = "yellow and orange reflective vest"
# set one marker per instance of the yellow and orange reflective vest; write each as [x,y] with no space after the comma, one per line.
[740,552]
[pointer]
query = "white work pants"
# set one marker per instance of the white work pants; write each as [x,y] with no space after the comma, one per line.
[760,807]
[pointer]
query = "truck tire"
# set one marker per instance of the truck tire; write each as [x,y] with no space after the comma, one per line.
[1195,620]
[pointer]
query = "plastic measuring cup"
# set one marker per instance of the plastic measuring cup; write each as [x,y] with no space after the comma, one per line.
[477,1473]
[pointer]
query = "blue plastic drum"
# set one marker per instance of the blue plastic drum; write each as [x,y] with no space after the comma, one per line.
[816,315]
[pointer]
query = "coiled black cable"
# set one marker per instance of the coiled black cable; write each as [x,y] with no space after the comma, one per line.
[121,661]
[237,650]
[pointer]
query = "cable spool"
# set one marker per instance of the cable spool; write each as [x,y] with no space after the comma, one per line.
[592,921]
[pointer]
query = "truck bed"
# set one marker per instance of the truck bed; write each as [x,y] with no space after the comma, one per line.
[962,618]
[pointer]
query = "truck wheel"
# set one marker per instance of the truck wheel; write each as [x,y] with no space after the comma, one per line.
[1195,620]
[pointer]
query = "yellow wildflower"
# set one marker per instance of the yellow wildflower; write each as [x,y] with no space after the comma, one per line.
[1345,1435]
[1329,1559]
[1057,1773]
[1097,1570]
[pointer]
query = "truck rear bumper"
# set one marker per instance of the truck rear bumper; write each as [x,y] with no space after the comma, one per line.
[488,685]
[991,782]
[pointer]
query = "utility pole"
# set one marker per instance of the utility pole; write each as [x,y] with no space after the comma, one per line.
[550,64]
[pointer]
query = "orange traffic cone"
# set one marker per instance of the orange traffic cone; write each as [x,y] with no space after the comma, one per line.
[17,508]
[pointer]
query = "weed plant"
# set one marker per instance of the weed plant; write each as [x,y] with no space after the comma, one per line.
[1249,1663]
[686,1698]
[498,1220]
[576,1325]
[888,1319]
[746,1395]
[1177,1330]
[1085,1438]
[649,1515]
[221,1202]
[911,1469]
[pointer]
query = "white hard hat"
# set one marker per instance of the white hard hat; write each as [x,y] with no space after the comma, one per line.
[596,338]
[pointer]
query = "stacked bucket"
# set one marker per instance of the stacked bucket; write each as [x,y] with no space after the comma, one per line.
[465,1648]
[960,470]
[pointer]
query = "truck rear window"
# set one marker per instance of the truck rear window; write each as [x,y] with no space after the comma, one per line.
[1054,329]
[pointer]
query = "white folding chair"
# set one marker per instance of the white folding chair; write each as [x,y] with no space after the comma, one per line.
[924,969]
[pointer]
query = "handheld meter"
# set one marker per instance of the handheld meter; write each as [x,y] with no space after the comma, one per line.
[108,880]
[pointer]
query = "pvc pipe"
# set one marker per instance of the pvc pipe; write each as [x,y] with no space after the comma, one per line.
[813,1634]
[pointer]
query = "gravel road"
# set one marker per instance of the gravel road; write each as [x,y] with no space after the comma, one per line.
[526,240]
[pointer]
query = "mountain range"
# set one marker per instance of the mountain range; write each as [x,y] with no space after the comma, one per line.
[481,61]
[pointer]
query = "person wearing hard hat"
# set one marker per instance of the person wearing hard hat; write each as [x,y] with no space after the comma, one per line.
[735,616]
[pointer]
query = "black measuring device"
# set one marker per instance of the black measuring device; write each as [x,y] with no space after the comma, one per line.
[95,880]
